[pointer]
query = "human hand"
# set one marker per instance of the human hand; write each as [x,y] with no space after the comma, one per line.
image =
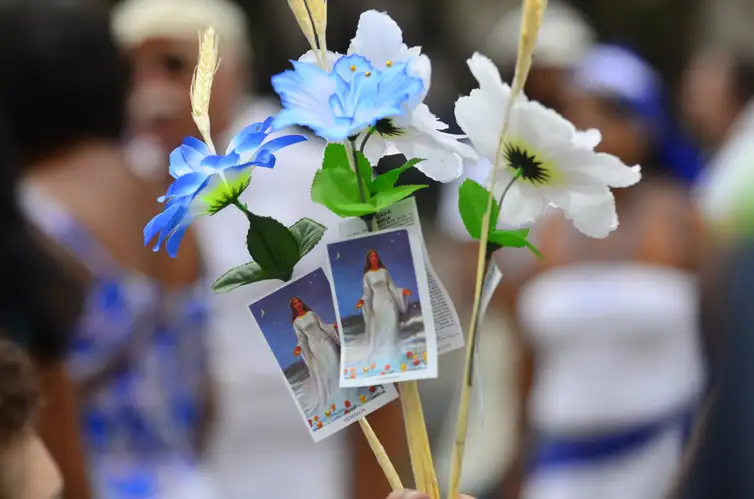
[406,292]
[359,303]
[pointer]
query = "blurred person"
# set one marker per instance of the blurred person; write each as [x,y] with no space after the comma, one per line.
[27,471]
[137,357]
[41,293]
[260,440]
[613,370]
[725,442]
[565,36]
[718,101]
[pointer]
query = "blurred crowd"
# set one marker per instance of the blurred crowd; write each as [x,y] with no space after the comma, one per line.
[613,369]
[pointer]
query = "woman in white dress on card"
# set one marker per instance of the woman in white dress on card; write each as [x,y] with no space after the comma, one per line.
[381,304]
[319,347]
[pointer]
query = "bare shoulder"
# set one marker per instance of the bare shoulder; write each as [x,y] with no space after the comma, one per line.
[672,230]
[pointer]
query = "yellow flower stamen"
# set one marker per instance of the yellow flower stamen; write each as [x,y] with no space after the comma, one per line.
[389,63]
[368,74]
[353,68]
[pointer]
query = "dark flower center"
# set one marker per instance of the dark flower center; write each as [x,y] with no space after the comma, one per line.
[386,128]
[531,169]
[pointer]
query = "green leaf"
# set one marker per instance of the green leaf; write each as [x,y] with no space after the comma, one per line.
[240,276]
[335,157]
[473,200]
[388,179]
[272,245]
[365,170]
[514,239]
[338,190]
[307,234]
[385,199]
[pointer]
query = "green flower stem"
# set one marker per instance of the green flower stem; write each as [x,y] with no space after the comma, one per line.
[242,206]
[355,165]
[491,247]
[516,176]
[369,133]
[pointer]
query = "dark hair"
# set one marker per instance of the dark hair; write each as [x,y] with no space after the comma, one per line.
[40,297]
[63,80]
[294,312]
[743,77]
[18,392]
[368,264]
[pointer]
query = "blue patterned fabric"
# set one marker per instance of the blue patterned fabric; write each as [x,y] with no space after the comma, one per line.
[141,417]
[564,452]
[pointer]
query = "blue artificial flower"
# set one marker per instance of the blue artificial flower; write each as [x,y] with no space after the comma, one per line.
[205,182]
[345,101]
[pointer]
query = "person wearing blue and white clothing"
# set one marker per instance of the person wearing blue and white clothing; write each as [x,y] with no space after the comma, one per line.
[138,354]
[613,369]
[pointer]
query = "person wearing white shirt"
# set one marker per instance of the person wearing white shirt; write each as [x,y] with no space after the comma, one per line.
[262,448]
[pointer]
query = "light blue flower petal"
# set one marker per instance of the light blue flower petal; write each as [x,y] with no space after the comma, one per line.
[263,158]
[193,151]
[187,184]
[175,239]
[361,101]
[283,141]
[304,93]
[248,138]
[171,225]
[396,87]
[178,165]
[267,124]
[158,223]
[221,162]
[349,66]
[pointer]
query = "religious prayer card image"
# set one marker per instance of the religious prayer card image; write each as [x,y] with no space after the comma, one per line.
[383,306]
[298,322]
[404,215]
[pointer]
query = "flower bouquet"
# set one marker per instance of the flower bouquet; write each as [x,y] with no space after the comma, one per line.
[347,332]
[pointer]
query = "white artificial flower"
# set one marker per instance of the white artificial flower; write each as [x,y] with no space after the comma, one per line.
[559,165]
[417,134]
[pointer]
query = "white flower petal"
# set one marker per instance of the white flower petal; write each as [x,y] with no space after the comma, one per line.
[592,211]
[444,155]
[442,165]
[375,148]
[379,39]
[541,127]
[522,205]
[311,57]
[598,168]
[588,139]
[481,122]
[490,82]
[421,67]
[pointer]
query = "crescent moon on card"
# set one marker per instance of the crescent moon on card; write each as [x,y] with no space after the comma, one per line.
[261,313]
[337,256]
